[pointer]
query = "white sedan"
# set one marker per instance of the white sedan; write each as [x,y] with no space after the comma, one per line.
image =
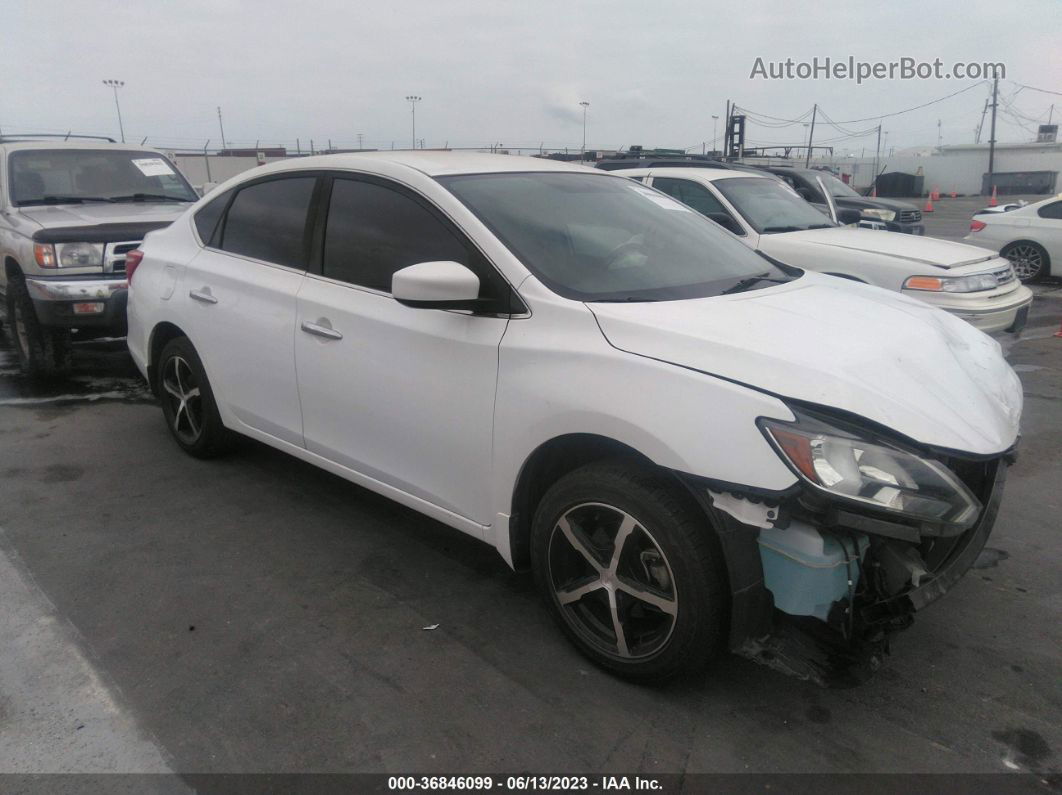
[1030,237]
[767,215]
[688,444]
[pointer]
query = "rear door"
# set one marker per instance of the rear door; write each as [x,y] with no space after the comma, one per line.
[240,293]
[402,396]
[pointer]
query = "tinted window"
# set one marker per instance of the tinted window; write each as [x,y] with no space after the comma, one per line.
[267,221]
[690,193]
[769,206]
[373,231]
[1053,210]
[206,219]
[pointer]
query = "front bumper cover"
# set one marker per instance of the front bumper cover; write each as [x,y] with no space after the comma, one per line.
[54,300]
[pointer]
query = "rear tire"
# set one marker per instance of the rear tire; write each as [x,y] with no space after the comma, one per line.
[188,402]
[631,570]
[1030,260]
[42,351]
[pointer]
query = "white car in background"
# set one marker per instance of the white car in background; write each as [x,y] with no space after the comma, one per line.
[685,442]
[768,216]
[1030,237]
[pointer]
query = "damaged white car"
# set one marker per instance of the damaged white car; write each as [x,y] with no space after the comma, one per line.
[693,447]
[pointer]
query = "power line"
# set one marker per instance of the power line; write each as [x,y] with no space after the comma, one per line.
[916,107]
[1041,90]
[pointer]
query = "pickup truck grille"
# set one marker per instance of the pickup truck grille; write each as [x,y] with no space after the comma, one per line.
[114,256]
[910,216]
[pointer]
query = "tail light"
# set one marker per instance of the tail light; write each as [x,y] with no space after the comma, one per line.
[977,226]
[132,260]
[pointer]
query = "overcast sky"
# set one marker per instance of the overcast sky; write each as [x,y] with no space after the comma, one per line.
[505,72]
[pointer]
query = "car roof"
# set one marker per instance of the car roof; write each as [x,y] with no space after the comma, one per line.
[705,174]
[14,144]
[434,163]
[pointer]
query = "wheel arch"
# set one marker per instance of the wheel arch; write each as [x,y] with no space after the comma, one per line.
[161,335]
[549,462]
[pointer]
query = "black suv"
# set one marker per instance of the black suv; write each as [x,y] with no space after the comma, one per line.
[896,216]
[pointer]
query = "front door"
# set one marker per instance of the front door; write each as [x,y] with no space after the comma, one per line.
[403,396]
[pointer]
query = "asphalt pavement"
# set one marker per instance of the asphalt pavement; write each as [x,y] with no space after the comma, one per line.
[255,614]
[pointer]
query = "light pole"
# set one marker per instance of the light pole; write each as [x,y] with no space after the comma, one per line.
[585,105]
[412,99]
[116,84]
[715,126]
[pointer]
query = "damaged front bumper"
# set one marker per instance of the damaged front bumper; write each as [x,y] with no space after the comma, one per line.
[848,581]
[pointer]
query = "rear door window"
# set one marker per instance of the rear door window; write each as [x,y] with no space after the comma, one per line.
[267,221]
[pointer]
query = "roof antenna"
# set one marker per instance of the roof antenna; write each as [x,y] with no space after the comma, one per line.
[142,142]
[67,138]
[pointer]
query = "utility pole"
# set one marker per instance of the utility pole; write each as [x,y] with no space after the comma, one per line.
[116,84]
[877,154]
[586,106]
[413,99]
[811,134]
[992,139]
[222,126]
[360,136]
[715,133]
[940,138]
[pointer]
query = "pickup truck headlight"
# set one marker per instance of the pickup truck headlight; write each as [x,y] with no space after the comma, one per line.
[874,473]
[953,284]
[79,255]
[884,215]
[69,255]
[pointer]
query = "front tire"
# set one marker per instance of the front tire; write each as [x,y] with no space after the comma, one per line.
[188,402]
[631,570]
[1030,260]
[42,351]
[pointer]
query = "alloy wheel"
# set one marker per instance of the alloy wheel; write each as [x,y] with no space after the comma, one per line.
[182,392]
[612,581]
[1027,261]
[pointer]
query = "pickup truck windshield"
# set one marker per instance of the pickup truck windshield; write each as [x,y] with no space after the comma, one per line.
[73,176]
[836,187]
[769,206]
[603,238]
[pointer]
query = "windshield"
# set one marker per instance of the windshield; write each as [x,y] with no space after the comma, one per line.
[770,206]
[836,187]
[603,238]
[73,176]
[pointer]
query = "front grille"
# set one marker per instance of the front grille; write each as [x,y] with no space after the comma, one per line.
[1004,275]
[114,256]
[910,216]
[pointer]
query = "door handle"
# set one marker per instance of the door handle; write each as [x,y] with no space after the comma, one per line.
[202,295]
[318,330]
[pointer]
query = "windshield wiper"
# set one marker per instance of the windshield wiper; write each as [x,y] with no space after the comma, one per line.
[143,197]
[63,200]
[820,226]
[627,299]
[745,284]
[769,229]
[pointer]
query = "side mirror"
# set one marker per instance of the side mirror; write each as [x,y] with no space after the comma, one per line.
[847,215]
[436,285]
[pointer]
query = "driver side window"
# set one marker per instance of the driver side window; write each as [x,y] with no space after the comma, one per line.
[700,199]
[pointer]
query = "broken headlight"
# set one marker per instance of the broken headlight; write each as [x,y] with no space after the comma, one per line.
[874,473]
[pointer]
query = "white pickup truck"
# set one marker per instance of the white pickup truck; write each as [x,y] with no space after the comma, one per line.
[70,211]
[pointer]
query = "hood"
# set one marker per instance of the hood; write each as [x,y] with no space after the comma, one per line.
[861,203]
[899,362]
[56,216]
[918,250]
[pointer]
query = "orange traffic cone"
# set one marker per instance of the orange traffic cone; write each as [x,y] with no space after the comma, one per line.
[993,202]
[934,195]
[929,205]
